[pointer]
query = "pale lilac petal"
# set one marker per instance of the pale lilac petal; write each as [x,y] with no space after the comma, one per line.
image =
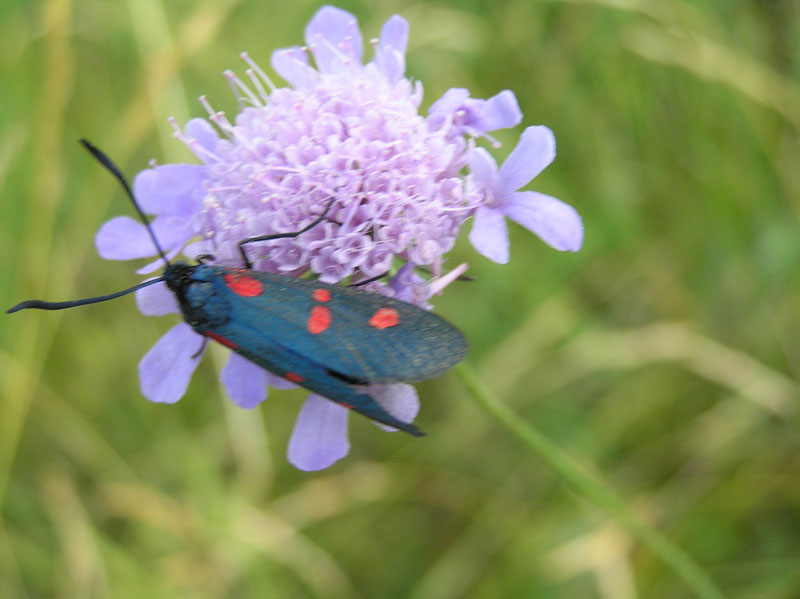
[452,100]
[535,150]
[165,370]
[474,116]
[123,238]
[410,287]
[404,277]
[483,169]
[292,65]
[203,133]
[399,399]
[334,38]
[171,231]
[245,383]
[278,382]
[436,285]
[198,248]
[156,300]
[557,223]
[394,33]
[158,262]
[489,234]
[391,50]
[171,189]
[319,437]
[498,112]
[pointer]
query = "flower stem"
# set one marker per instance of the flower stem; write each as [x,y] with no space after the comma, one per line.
[590,487]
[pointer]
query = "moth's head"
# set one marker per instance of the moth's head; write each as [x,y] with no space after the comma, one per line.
[178,275]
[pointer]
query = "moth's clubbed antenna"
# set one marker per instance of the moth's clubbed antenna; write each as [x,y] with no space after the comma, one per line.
[42,305]
[114,170]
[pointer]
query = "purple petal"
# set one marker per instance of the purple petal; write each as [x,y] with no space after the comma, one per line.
[156,300]
[171,189]
[172,232]
[557,223]
[394,33]
[334,39]
[203,133]
[157,263]
[498,112]
[403,277]
[437,284]
[489,234]
[472,116]
[319,437]
[277,382]
[535,150]
[198,248]
[391,50]
[410,287]
[450,101]
[484,170]
[453,99]
[123,238]
[399,399]
[165,370]
[245,383]
[292,65]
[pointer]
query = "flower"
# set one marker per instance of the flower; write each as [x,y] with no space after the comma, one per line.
[346,138]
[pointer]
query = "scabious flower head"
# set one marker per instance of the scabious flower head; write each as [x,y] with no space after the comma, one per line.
[347,137]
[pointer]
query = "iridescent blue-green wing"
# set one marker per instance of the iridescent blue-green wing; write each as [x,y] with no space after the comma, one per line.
[358,334]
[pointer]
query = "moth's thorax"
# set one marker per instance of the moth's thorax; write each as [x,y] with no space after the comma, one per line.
[194,289]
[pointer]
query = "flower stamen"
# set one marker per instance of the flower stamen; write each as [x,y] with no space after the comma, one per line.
[258,85]
[264,77]
[239,88]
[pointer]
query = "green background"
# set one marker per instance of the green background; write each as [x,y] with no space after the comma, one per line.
[663,357]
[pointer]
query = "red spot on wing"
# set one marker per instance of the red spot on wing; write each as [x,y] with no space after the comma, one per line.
[321,295]
[345,405]
[221,339]
[384,318]
[319,320]
[293,377]
[244,285]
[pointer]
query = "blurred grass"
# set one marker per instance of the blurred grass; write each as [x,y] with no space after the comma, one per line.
[664,356]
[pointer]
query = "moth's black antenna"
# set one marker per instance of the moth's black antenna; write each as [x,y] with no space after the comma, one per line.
[42,305]
[112,168]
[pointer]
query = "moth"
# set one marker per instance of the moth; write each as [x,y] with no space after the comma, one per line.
[334,340]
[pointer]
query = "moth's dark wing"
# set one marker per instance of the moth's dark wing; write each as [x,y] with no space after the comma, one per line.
[278,359]
[419,345]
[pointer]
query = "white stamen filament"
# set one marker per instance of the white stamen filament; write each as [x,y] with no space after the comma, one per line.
[239,87]
[257,69]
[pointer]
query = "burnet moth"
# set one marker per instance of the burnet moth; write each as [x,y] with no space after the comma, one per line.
[331,339]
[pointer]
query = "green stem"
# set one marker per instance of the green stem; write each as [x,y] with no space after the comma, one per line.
[590,487]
